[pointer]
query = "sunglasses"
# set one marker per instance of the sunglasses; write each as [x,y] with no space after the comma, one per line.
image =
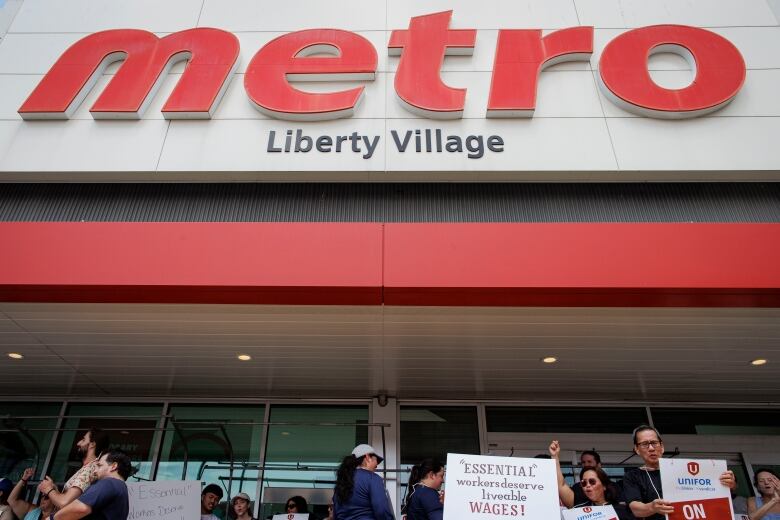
[589,482]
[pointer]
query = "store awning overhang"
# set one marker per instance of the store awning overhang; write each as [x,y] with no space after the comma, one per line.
[419,264]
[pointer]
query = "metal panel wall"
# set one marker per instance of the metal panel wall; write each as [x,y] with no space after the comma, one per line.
[699,202]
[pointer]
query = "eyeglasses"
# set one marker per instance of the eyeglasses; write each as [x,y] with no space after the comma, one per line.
[646,444]
[589,482]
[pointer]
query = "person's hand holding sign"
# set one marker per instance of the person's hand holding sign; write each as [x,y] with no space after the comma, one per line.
[661,506]
[728,479]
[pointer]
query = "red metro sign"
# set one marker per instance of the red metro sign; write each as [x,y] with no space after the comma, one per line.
[336,55]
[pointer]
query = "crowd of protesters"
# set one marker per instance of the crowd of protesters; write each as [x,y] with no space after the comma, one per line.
[97,490]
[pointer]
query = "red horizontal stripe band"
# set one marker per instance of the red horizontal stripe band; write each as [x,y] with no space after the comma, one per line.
[484,264]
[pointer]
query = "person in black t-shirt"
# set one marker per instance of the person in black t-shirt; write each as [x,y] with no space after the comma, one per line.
[106,499]
[642,486]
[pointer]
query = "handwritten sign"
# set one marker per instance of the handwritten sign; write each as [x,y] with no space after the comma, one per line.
[590,513]
[164,500]
[491,488]
[694,488]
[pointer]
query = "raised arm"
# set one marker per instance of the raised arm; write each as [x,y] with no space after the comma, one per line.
[565,493]
[20,506]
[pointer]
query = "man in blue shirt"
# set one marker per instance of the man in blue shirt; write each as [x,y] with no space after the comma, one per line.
[106,499]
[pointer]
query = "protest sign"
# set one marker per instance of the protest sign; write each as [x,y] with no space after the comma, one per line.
[694,488]
[590,513]
[291,516]
[164,500]
[481,488]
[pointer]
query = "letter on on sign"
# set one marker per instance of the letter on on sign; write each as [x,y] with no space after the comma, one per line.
[212,56]
[521,54]
[418,82]
[717,64]
[298,56]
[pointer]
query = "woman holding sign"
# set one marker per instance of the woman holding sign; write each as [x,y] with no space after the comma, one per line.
[642,486]
[766,505]
[595,484]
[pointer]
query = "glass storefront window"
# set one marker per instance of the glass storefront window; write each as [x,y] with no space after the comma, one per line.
[24,438]
[131,427]
[199,441]
[301,459]
[563,419]
[717,421]
[434,431]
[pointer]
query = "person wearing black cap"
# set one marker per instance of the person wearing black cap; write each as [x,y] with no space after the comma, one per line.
[209,498]
[360,493]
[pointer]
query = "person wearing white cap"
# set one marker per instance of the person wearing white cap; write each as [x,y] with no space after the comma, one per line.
[360,493]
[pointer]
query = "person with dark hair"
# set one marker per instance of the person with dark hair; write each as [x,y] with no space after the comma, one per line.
[423,500]
[596,487]
[642,486]
[94,442]
[592,459]
[766,504]
[360,493]
[26,510]
[298,505]
[106,498]
[209,498]
[6,512]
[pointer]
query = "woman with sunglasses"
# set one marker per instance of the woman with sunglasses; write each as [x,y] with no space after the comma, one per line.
[360,493]
[298,505]
[642,486]
[595,484]
[423,500]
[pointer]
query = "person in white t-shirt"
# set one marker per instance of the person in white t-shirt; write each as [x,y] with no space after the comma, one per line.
[209,498]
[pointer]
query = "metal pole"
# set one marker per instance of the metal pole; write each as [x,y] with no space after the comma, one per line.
[230,450]
[157,444]
[184,447]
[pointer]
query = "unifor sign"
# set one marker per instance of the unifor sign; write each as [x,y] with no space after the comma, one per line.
[336,55]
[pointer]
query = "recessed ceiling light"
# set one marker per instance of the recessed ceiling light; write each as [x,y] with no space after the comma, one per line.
[549,359]
[15,355]
[244,357]
[758,362]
